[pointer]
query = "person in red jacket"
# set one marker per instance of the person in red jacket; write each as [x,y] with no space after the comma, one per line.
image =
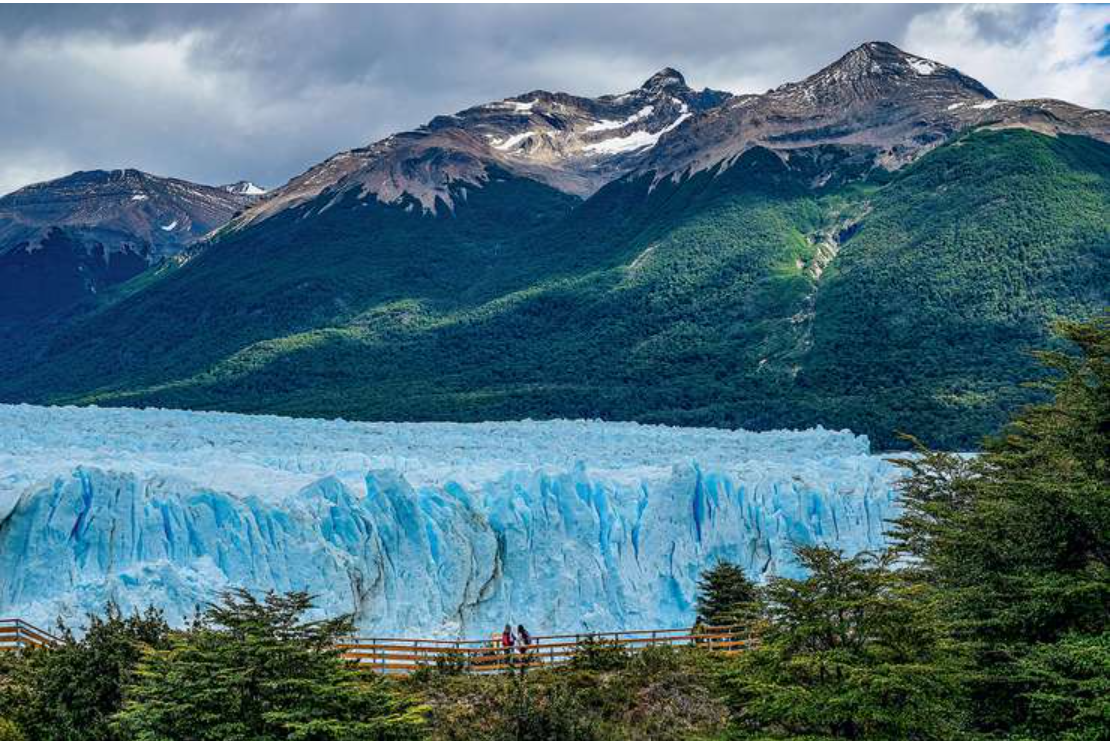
[508,643]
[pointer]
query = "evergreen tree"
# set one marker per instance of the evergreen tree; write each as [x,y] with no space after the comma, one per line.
[254,670]
[1016,543]
[726,595]
[853,651]
[73,690]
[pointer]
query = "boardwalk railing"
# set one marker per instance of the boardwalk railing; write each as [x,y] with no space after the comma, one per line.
[18,634]
[404,655]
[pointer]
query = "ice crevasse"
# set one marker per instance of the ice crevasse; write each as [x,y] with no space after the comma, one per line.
[418,529]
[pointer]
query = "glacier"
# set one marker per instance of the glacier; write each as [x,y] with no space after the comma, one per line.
[430,529]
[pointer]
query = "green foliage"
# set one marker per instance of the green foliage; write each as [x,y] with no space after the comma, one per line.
[9,731]
[662,693]
[1066,695]
[926,319]
[1016,543]
[726,596]
[853,651]
[72,691]
[598,654]
[254,670]
[709,301]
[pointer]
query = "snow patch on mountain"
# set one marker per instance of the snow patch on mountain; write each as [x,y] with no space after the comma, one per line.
[606,124]
[636,140]
[519,107]
[511,141]
[922,66]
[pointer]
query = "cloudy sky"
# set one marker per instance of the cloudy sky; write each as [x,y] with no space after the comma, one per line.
[221,93]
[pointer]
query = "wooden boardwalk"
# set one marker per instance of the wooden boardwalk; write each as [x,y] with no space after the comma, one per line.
[404,655]
[18,634]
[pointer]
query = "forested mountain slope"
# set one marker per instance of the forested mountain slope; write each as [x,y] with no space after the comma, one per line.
[737,297]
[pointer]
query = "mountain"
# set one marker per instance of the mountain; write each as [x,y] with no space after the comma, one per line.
[572,144]
[876,247]
[890,105]
[64,240]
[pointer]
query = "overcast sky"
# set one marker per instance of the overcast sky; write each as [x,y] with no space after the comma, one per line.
[219,93]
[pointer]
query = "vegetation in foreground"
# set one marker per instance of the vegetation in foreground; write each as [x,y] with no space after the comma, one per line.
[988,619]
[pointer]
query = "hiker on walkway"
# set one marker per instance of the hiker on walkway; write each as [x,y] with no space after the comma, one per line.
[508,643]
[699,631]
[524,640]
[507,637]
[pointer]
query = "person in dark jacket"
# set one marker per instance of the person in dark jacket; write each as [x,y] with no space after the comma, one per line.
[524,640]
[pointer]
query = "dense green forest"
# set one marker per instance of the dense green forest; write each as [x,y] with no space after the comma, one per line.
[987,619]
[749,295]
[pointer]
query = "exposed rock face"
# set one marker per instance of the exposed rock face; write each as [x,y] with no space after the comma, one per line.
[877,98]
[66,239]
[572,143]
[886,105]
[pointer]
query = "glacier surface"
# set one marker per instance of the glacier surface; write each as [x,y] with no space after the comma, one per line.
[419,529]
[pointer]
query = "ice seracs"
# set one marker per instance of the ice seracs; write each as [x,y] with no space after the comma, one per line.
[419,529]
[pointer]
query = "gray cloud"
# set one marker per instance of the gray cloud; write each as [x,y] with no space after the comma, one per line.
[216,93]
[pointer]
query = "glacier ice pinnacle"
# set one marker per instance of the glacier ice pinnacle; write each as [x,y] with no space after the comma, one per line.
[419,529]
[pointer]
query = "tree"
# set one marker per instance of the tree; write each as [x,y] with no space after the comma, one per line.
[726,595]
[254,670]
[9,731]
[73,690]
[1016,543]
[853,651]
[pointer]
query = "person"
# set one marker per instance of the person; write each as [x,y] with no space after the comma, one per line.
[699,630]
[508,640]
[524,640]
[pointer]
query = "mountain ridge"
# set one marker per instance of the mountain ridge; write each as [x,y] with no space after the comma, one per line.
[574,154]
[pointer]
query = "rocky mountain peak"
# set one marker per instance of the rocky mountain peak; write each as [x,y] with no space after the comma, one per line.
[878,69]
[882,103]
[119,209]
[887,105]
[666,78]
[245,188]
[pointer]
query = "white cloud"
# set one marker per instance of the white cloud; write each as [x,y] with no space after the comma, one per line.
[1056,56]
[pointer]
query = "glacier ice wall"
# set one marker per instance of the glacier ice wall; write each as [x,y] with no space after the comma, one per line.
[419,529]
